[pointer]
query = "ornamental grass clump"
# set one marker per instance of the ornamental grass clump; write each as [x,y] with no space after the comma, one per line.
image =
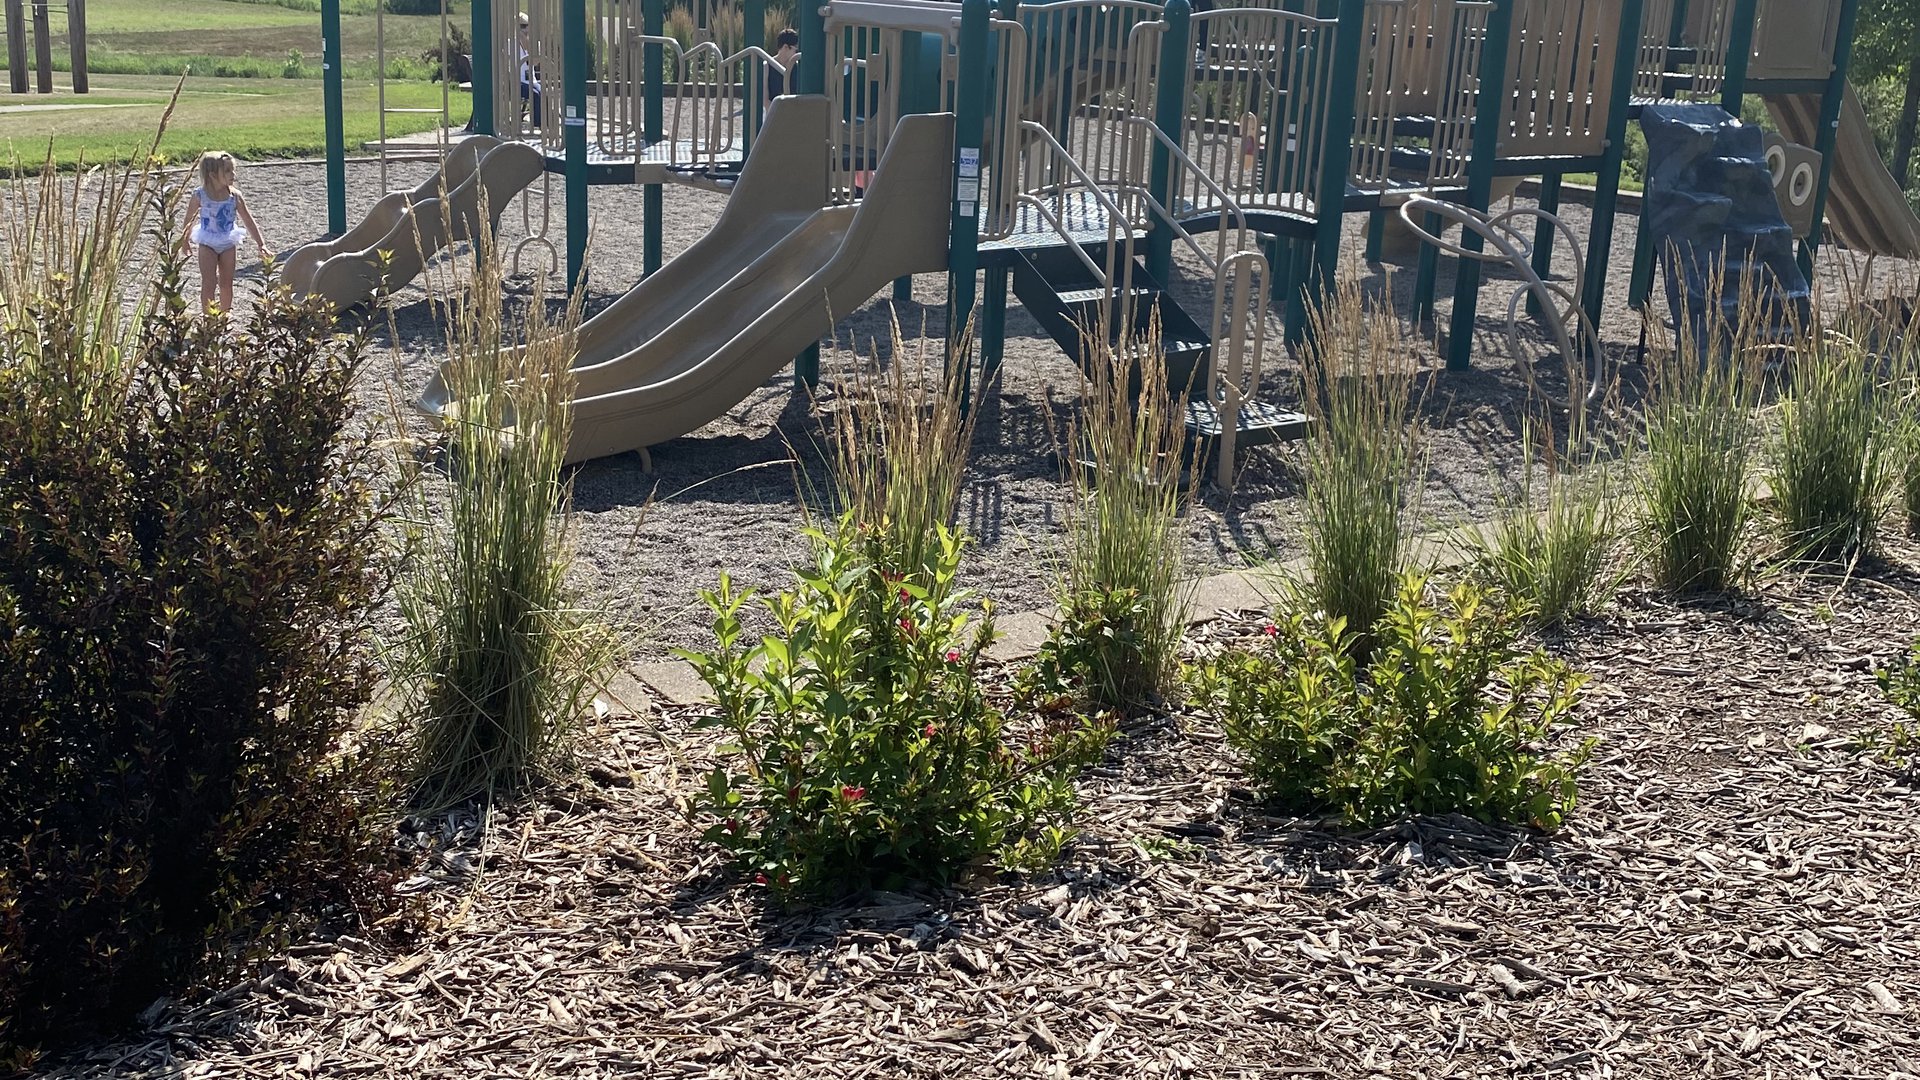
[1125,595]
[1362,455]
[1448,713]
[1831,453]
[500,657]
[1551,548]
[898,449]
[1701,442]
[188,566]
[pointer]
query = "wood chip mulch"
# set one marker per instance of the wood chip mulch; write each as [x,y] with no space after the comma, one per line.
[1738,895]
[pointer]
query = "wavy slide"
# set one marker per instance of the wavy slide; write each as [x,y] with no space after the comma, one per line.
[1865,208]
[719,320]
[404,229]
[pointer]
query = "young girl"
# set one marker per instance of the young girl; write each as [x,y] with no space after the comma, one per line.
[217,212]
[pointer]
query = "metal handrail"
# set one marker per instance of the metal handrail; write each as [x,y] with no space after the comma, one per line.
[725,91]
[1119,227]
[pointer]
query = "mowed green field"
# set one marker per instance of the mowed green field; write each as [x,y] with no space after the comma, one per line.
[244,37]
[252,81]
[254,118]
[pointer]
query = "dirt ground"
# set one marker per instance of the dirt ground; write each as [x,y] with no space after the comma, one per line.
[1737,895]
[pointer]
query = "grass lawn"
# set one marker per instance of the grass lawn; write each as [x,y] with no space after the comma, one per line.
[254,118]
[239,38]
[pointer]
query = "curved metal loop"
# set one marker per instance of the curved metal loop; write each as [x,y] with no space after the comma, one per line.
[1559,305]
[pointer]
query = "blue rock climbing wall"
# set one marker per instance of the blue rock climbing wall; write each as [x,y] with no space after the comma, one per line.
[1710,204]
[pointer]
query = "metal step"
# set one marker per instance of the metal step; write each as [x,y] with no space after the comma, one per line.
[1066,298]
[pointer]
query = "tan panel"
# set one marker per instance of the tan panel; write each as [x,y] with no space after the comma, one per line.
[1795,39]
[1560,84]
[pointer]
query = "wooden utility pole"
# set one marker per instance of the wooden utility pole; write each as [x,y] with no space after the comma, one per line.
[42,46]
[17,45]
[77,42]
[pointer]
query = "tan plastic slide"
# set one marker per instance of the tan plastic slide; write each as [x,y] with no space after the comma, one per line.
[405,228]
[723,317]
[1865,208]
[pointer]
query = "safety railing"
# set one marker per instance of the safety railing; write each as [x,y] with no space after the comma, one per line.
[1056,205]
[1088,64]
[1684,47]
[1238,322]
[872,53]
[1560,77]
[709,120]
[1257,95]
[1419,58]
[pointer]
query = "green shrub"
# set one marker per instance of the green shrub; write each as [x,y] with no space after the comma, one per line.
[1124,599]
[187,569]
[1901,681]
[862,749]
[500,657]
[1361,458]
[1447,714]
[1553,556]
[1830,454]
[1700,439]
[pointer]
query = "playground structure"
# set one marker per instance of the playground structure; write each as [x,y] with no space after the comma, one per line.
[1087,141]
[42,12]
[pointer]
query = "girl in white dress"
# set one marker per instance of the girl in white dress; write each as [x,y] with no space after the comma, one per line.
[215,213]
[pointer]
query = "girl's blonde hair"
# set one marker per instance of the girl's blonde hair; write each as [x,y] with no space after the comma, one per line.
[212,164]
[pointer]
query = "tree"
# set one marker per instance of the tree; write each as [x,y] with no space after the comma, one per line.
[1887,45]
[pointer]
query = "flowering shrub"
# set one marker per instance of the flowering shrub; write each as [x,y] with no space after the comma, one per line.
[1901,681]
[863,750]
[1446,714]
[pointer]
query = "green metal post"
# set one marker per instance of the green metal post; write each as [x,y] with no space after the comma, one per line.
[1169,115]
[969,132]
[1486,140]
[1739,55]
[482,37]
[573,51]
[1544,235]
[1376,235]
[1331,192]
[652,121]
[1827,137]
[1606,200]
[754,36]
[332,98]
[811,78]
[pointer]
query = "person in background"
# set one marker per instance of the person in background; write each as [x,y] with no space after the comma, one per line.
[786,49]
[215,214]
[529,72]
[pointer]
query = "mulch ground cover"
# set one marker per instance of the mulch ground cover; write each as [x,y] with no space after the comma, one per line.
[1736,895]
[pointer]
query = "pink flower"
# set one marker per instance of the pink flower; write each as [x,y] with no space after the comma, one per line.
[906,597]
[929,731]
[759,879]
[731,826]
[1270,630]
[853,794]
[953,656]
[907,627]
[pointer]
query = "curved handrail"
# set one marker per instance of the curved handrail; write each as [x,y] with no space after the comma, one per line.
[1516,251]
[1119,226]
[719,128]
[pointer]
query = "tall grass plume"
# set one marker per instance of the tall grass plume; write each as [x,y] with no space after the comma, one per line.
[1831,453]
[1125,596]
[1361,458]
[500,657]
[1551,548]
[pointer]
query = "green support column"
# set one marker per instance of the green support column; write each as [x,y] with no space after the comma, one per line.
[332,97]
[1828,135]
[1544,235]
[992,324]
[1169,115]
[653,122]
[1376,235]
[1426,273]
[1739,55]
[1606,200]
[1480,171]
[810,79]
[573,50]
[1331,191]
[482,37]
[754,36]
[969,131]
